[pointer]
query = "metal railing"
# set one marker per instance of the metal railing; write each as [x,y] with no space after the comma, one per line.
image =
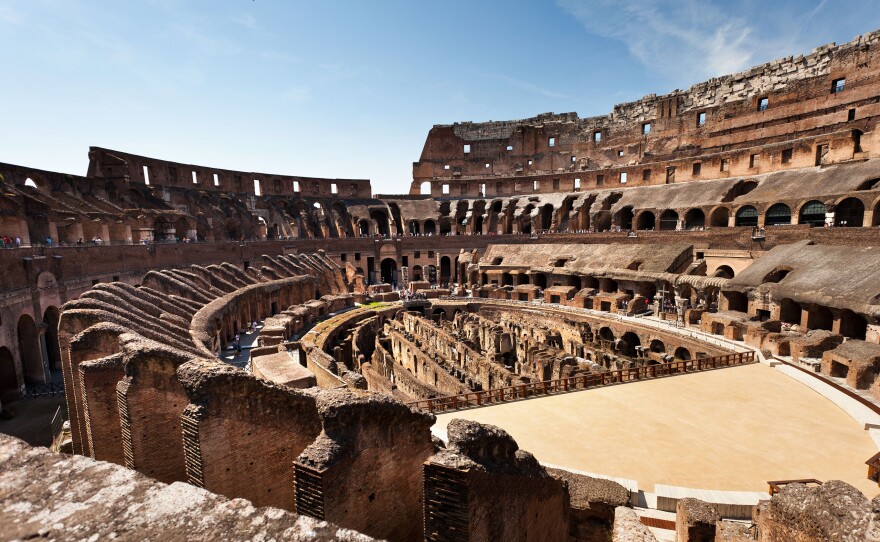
[57,424]
[579,382]
[49,389]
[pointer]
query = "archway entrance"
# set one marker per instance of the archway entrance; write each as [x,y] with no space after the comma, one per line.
[29,350]
[389,271]
[8,379]
[445,270]
[646,221]
[850,213]
[53,350]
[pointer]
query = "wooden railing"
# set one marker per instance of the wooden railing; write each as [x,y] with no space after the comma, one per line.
[777,485]
[579,382]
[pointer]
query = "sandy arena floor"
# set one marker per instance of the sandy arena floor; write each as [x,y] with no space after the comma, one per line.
[731,429]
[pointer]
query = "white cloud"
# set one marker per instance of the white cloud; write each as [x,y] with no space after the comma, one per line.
[687,39]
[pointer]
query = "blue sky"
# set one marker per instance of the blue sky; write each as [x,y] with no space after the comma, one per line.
[351,88]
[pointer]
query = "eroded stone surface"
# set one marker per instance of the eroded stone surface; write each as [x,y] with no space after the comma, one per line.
[59,497]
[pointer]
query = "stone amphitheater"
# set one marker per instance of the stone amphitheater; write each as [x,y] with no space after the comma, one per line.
[674,307]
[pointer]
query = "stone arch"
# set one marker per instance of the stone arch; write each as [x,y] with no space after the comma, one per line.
[669,220]
[624,217]
[682,353]
[646,221]
[656,345]
[812,213]
[789,311]
[389,271]
[417,273]
[546,216]
[182,228]
[694,219]
[9,388]
[724,271]
[778,214]
[29,350]
[381,219]
[364,227]
[395,217]
[430,227]
[629,342]
[414,228]
[53,350]
[445,269]
[540,280]
[746,216]
[606,334]
[849,213]
[719,218]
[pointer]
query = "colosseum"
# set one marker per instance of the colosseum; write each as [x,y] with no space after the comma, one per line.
[674,307]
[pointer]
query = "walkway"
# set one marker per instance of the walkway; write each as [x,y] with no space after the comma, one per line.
[242,360]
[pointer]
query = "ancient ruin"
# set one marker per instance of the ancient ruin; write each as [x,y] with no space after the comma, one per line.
[230,336]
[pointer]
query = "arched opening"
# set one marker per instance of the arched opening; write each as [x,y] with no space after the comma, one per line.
[506,279]
[777,274]
[181,229]
[389,271]
[395,217]
[719,217]
[522,278]
[417,272]
[53,350]
[629,342]
[724,271]
[541,280]
[425,188]
[778,214]
[746,216]
[606,334]
[850,213]
[821,318]
[430,273]
[668,220]
[790,312]
[657,346]
[646,221]
[414,228]
[430,227]
[163,230]
[682,353]
[741,188]
[381,220]
[546,216]
[853,325]
[812,213]
[30,183]
[625,218]
[29,350]
[445,270]
[364,227]
[8,378]
[694,219]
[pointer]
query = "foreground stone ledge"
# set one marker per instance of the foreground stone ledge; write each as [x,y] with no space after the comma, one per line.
[58,497]
[628,527]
